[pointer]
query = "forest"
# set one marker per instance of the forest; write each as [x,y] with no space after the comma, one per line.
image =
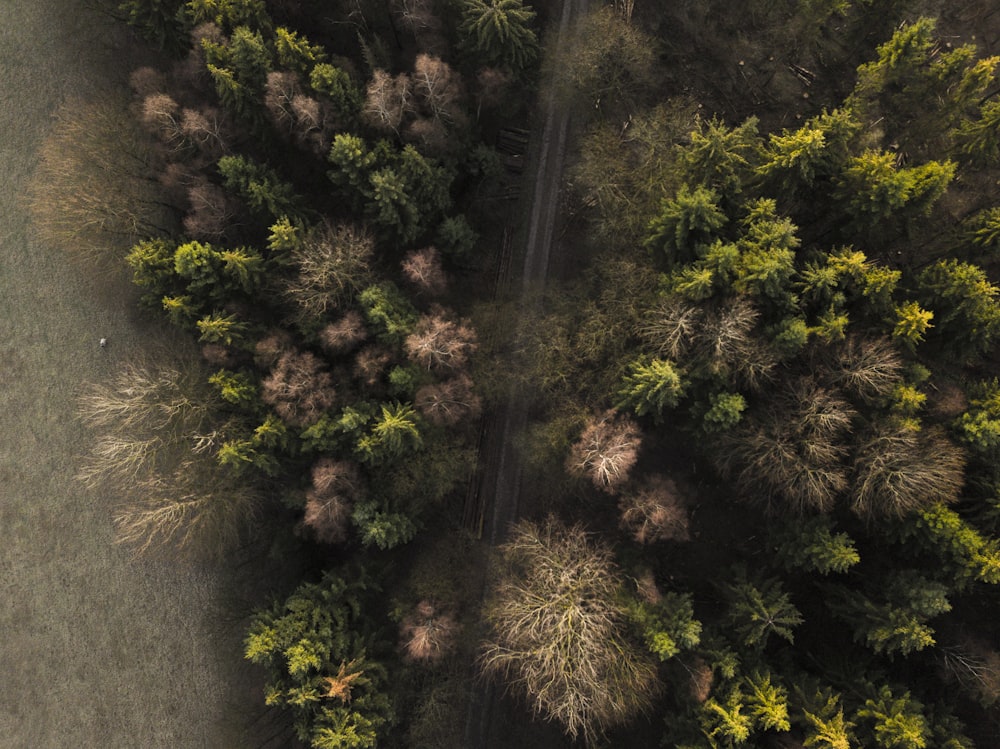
[760,497]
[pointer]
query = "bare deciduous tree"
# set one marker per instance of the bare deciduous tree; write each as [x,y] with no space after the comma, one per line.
[211,211]
[656,512]
[95,188]
[294,113]
[371,364]
[423,269]
[146,80]
[419,18]
[790,453]
[206,129]
[441,343]
[719,338]
[492,87]
[269,349]
[900,468]
[557,633]
[388,101]
[333,263]
[345,334]
[439,89]
[450,402]
[606,451]
[299,388]
[427,633]
[336,485]
[863,366]
[157,430]
[161,117]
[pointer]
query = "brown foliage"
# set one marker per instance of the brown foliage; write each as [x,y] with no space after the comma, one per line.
[336,485]
[450,402]
[339,686]
[606,451]
[439,342]
[371,363]
[344,334]
[427,633]
[92,190]
[720,338]
[792,449]
[299,388]
[333,263]
[900,468]
[388,101]
[439,90]
[557,632]
[423,269]
[211,211]
[269,349]
[656,512]
[866,367]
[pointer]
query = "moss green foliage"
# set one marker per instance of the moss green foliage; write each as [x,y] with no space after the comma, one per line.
[500,32]
[317,657]
[792,297]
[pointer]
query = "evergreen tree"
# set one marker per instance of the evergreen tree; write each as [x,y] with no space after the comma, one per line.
[964,304]
[759,609]
[316,654]
[897,722]
[812,546]
[499,32]
[897,624]
[650,386]
[667,625]
[767,702]
[686,222]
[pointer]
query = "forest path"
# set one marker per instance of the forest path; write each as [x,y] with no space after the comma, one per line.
[501,479]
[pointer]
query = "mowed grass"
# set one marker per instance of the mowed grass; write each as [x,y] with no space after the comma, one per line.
[96,649]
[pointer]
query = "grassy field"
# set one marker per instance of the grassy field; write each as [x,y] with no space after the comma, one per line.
[96,649]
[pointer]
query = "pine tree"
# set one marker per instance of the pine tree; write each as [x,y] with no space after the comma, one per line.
[313,647]
[896,624]
[911,324]
[811,545]
[721,158]
[964,303]
[651,385]
[667,625]
[393,432]
[725,723]
[686,222]
[897,722]
[759,609]
[767,703]
[499,32]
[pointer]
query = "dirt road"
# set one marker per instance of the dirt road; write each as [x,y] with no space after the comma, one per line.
[500,487]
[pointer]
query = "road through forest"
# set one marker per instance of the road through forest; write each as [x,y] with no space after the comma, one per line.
[500,483]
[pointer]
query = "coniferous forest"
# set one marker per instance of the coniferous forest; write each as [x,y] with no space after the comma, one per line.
[758,496]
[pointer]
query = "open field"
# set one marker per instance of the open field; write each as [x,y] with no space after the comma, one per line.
[96,650]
